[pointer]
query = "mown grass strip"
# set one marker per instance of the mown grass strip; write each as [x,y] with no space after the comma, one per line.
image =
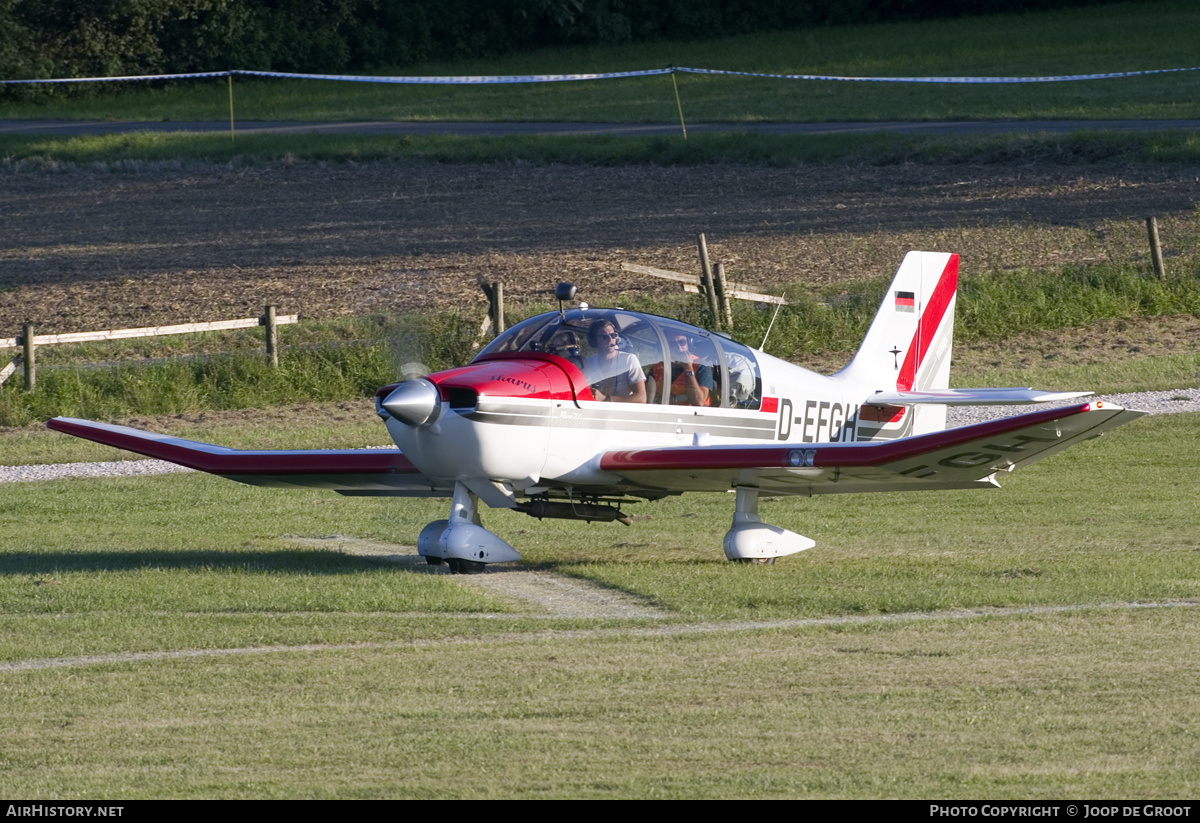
[1052,706]
[130,152]
[1015,705]
[1041,705]
[194,549]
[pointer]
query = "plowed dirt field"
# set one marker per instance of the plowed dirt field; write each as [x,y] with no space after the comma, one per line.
[87,248]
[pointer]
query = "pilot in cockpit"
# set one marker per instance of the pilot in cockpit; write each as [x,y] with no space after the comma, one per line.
[615,376]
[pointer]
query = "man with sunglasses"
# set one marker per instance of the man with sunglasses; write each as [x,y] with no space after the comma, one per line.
[615,376]
[691,380]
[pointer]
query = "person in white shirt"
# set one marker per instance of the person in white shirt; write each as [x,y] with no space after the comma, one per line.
[615,376]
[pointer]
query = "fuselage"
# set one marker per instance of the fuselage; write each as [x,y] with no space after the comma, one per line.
[525,412]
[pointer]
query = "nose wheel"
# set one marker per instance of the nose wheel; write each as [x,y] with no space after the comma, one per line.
[458,566]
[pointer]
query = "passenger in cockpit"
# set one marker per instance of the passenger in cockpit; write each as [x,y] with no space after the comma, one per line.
[614,375]
[691,380]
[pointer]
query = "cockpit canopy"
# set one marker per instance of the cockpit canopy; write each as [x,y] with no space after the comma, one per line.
[727,371]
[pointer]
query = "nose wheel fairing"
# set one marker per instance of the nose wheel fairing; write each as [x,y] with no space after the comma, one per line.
[461,541]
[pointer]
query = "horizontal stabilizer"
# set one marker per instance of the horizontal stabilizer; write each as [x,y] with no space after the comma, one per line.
[972,397]
[352,471]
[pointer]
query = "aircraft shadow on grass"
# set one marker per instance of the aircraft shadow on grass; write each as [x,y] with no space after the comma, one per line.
[295,562]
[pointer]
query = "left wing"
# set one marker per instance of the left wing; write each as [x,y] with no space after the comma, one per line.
[347,471]
[961,458]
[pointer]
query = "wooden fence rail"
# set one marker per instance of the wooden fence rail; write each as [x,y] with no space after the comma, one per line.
[691,283]
[30,341]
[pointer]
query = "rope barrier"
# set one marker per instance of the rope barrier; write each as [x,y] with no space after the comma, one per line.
[467,80]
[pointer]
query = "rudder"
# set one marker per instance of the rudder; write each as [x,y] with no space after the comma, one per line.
[908,346]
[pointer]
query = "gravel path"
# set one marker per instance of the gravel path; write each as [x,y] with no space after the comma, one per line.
[540,593]
[1160,402]
[115,468]
[1155,402]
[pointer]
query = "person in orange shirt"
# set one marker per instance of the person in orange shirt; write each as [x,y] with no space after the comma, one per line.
[691,381]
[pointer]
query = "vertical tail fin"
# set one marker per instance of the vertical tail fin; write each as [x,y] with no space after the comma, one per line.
[908,344]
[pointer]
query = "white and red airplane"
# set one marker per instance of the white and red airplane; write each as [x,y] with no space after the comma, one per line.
[572,413]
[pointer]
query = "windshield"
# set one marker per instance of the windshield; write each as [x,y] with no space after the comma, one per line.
[617,349]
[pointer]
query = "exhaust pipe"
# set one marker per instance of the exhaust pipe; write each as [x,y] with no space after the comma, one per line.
[574,511]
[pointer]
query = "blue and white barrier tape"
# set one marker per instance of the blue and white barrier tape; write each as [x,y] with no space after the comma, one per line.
[129,77]
[468,80]
[464,80]
[1063,78]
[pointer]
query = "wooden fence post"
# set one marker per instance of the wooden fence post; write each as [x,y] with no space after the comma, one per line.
[272,334]
[27,340]
[494,320]
[722,297]
[494,292]
[706,280]
[498,305]
[30,362]
[1155,248]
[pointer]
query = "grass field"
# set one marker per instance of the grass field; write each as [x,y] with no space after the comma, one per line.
[1096,704]
[143,150]
[374,681]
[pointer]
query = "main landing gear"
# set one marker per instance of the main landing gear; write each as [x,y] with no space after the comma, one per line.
[462,543]
[750,540]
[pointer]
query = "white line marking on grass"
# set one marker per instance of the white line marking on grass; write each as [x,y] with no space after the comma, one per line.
[583,634]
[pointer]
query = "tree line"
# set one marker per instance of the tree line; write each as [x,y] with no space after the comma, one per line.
[86,38]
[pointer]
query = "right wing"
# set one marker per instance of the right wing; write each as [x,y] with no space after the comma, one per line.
[384,472]
[963,458]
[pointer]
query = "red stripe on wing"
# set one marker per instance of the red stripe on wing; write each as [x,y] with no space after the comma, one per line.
[206,457]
